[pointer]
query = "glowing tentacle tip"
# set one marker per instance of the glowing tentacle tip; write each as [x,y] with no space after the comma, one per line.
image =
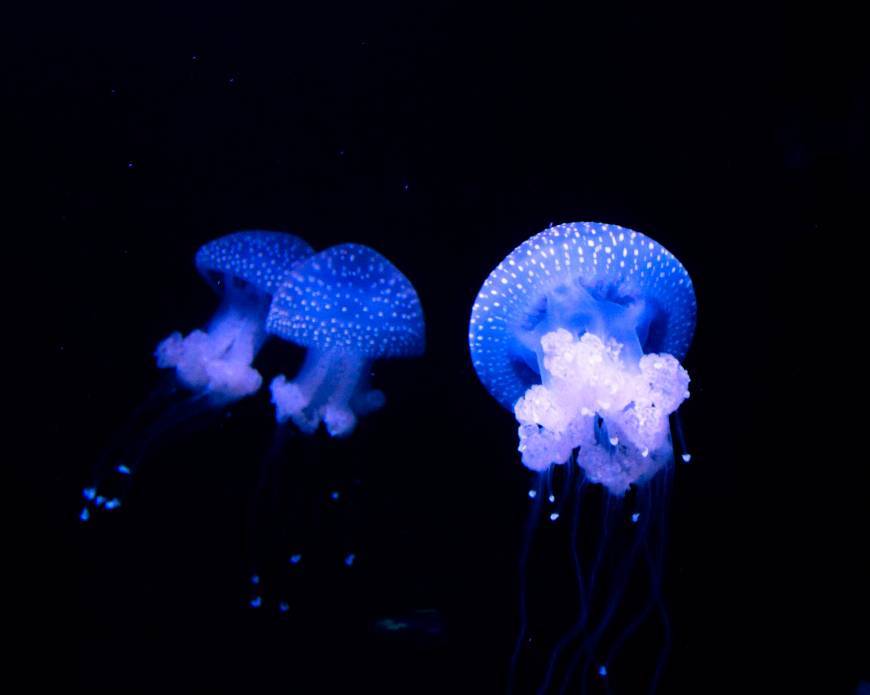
[533,494]
[554,516]
[255,579]
[283,607]
[113,503]
[614,441]
[602,671]
[349,559]
[552,498]
[123,470]
[635,517]
[687,458]
[100,500]
[89,493]
[256,602]
[295,559]
[334,495]
[85,515]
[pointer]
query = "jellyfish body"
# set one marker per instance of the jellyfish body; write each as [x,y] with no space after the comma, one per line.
[579,332]
[348,306]
[245,269]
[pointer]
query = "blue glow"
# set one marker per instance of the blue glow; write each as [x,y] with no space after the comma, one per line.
[349,560]
[334,495]
[244,268]
[263,259]
[255,579]
[579,332]
[85,514]
[256,602]
[348,306]
[283,607]
[295,559]
[578,276]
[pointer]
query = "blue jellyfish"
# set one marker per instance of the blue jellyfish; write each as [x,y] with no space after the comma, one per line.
[348,306]
[245,269]
[214,365]
[579,332]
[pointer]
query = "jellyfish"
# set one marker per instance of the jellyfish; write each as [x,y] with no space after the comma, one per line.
[213,365]
[245,269]
[348,307]
[579,332]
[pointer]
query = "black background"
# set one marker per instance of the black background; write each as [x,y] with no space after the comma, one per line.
[443,136]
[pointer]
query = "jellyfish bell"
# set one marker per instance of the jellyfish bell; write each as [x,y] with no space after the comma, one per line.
[245,269]
[348,306]
[579,332]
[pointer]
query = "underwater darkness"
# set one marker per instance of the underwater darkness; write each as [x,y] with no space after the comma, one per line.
[442,135]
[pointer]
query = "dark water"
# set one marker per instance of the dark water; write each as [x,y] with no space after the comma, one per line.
[443,136]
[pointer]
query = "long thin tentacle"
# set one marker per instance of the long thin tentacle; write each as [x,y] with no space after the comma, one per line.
[531,524]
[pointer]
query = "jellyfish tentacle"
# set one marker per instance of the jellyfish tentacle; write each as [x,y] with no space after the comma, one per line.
[112,483]
[586,649]
[262,510]
[160,397]
[655,576]
[338,411]
[582,604]
[293,398]
[588,592]
[681,437]
[656,572]
[531,524]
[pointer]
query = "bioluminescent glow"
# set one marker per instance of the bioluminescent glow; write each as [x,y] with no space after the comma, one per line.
[348,306]
[244,268]
[579,332]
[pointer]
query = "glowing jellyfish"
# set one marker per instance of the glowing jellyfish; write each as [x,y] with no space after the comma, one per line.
[244,268]
[348,306]
[579,332]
